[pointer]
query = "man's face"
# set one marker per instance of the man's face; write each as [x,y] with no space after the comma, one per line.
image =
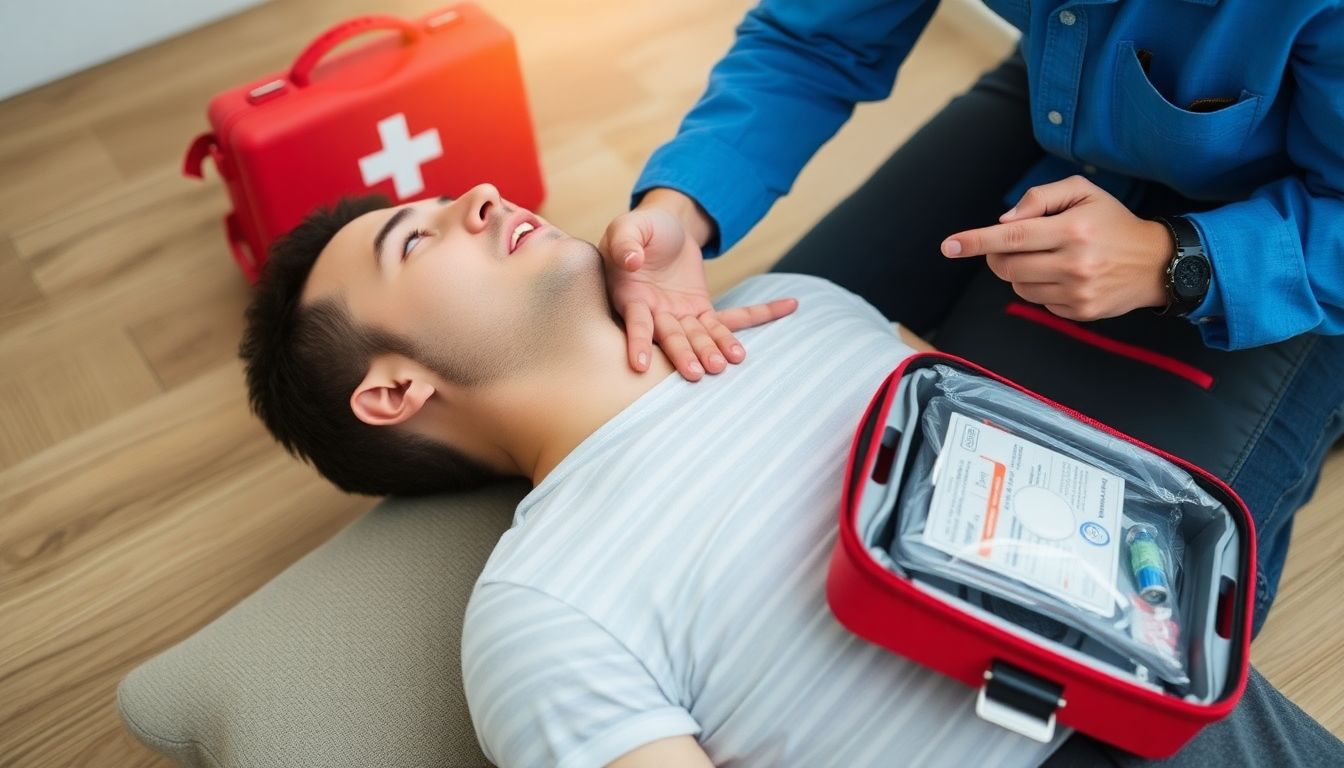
[481,286]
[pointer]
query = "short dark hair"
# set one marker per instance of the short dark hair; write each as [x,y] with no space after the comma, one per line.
[304,362]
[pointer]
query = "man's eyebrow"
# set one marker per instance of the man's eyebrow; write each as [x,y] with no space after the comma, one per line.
[445,199]
[388,226]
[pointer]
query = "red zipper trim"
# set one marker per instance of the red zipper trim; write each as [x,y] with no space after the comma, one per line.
[1201,379]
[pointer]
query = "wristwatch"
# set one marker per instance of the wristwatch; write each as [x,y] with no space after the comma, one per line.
[1189,272]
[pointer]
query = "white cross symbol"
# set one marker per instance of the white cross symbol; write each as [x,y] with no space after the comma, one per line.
[401,156]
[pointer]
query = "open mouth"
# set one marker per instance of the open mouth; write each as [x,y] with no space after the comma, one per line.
[520,232]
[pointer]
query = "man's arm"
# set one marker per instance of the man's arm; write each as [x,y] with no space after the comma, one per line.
[789,82]
[548,685]
[676,752]
[1277,257]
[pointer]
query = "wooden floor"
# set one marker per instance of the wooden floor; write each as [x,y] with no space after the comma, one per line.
[138,499]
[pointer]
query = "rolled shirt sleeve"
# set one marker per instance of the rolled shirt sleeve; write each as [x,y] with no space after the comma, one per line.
[1278,257]
[786,86]
[548,686]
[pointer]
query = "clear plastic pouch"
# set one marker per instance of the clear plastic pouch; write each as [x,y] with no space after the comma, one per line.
[1025,505]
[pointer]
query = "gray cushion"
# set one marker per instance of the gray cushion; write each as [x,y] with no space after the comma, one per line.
[351,657]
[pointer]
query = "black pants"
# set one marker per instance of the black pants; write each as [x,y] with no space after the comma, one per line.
[1264,426]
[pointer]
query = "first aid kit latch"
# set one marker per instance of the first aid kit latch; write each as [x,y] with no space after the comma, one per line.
[1019,701]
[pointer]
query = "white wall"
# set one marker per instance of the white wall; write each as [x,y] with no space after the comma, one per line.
[44,40]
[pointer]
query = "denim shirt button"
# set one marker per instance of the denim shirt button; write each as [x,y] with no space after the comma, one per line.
[1089,169]
[1067,18]
[1054,117]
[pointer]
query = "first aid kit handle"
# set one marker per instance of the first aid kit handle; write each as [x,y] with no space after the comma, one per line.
[301,73]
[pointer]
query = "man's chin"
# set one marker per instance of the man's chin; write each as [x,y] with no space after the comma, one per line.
[573,277]
[585,260]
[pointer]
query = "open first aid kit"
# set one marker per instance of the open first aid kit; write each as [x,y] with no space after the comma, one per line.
[1071,573]
[433,109]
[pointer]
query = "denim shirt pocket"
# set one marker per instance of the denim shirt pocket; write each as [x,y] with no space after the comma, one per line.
[1164,142]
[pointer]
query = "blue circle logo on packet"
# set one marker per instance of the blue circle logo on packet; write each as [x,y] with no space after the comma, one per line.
[1095,534]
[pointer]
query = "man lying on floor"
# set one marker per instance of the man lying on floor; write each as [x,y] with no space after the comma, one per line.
[659,599]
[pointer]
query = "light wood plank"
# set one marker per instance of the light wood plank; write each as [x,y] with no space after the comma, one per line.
[154,224]
[1300,648]
[195,267]
[19,295]
[55,169]
[192,332]
[70,390]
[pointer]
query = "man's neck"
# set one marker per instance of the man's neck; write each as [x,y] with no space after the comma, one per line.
[542,419]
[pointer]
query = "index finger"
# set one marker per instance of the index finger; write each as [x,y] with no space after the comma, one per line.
[639,332]
[737,318]
[1039,234]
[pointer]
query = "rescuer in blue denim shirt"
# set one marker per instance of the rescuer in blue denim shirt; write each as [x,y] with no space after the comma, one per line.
[1181,155]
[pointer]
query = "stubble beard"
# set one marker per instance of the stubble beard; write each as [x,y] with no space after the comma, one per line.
[568,294]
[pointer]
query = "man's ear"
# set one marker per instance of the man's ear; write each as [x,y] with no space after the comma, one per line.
[392,391]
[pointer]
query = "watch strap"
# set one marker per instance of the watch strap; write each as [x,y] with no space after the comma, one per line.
[1188,244]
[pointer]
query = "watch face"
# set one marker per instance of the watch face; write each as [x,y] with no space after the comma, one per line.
[1190,278]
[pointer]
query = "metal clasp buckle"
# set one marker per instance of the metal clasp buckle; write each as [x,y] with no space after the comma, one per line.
[1019,701]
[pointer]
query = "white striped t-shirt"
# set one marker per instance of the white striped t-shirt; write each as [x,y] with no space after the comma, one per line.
[668,577]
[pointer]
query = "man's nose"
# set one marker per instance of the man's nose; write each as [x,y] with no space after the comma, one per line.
[477,205]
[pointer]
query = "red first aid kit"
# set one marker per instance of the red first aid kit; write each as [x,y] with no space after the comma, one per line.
[1069,572]
[431,110]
